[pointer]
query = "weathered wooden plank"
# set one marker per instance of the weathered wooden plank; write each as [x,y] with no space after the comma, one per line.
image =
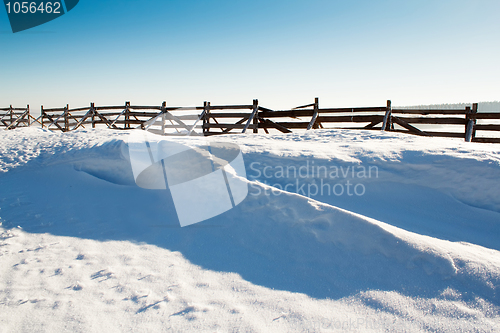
[18,113]
[286,114]
[180,123]
[104,119]
[124,122]
[205,118]
[190,117]
[315,114]
[266,123]
[447,120]
[189,108]
[239,122]
[485,115]
[6,115]
[54,110]
[108,114]
[213,133]
[53,122]
[351,110]
[409,127]
[262,124]
[486,140]
[175,134]
[475,109]
[119,115]
[19,119]
[36,119]
[348,119]
[290,125]
[104,108]
[230,107]
[256,121]
[446,134]
[229,115]
[82,120]
[141,114]
[80,109]
[309,113]
[377,128]
[261,108]
[303,106]
[469,127]
[86,122]
[142,107]
[127,114]
[60,121]
[254,113]
[13,109]
[386,123]
[431,134]
[56,121]
[182,127]
[228,126]
[481,127]
[96,122]
[373,124]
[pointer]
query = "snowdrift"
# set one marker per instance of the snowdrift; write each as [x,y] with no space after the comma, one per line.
[418,250]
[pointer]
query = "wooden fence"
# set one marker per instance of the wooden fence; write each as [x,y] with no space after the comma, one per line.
[222,119]
[11,118]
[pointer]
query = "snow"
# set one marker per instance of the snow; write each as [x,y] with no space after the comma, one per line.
[84,249]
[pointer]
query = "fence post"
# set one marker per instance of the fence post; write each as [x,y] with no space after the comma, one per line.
[474,111]
[252,116]
[127,116]
[206,118]
[470,131]
[163,118]
[255,118]
[204,112]
[92,110]
[11,115]
[207,115]
[468,124]
[28,109]
[315,114]
[387,118]
[42,114]
[66,118]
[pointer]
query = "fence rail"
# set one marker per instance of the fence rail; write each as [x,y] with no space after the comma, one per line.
[11,117]
[223,119]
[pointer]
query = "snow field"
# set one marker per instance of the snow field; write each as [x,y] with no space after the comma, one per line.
[83,249]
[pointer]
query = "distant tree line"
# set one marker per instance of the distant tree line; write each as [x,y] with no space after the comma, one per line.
[483,106]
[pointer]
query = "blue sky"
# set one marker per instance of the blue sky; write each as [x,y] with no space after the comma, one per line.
[283,52]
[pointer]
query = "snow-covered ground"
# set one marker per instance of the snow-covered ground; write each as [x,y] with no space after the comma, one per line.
[374,232]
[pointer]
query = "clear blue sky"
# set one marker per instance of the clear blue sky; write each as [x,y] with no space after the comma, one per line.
[283,52]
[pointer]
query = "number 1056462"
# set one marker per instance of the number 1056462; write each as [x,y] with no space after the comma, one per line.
[33,7]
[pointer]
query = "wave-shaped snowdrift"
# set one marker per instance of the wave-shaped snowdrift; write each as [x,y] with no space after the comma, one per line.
[281,240]
[278,240]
